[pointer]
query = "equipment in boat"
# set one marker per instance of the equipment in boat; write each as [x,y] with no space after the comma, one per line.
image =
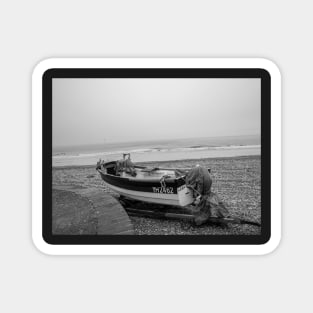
[154,185]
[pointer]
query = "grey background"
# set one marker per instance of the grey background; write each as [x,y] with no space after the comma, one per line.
[89,111]
[35,30]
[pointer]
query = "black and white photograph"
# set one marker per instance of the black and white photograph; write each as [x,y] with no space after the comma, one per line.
[156,156]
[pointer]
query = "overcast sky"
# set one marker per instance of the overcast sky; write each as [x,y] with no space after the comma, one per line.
[89,111]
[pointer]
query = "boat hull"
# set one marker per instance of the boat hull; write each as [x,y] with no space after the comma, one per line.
[170,192]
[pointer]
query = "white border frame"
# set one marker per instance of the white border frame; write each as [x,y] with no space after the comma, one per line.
[156,249]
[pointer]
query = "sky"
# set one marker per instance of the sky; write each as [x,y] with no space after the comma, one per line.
[91,111]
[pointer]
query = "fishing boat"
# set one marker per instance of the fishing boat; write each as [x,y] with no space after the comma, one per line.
[158,185]
[154,185]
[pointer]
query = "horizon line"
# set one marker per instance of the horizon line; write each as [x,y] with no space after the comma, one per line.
[143,140]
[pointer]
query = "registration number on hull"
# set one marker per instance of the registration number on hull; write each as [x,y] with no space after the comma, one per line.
[163,189]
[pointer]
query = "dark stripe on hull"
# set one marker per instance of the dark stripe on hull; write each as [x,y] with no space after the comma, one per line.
[143,185]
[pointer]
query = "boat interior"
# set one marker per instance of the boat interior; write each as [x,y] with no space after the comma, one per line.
[143,172]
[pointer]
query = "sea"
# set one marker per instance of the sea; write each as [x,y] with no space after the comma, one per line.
[158,150]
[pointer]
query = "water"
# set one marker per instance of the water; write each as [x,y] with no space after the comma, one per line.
[161,150]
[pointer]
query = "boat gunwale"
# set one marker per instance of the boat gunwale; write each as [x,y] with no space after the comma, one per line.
[147,180]
[158,168]
[144,167]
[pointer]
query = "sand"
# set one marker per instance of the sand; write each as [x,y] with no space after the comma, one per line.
[236,180]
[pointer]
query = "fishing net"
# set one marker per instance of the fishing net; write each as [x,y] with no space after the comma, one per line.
[210,204]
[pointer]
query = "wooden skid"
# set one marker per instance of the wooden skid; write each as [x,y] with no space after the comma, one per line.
[159,215]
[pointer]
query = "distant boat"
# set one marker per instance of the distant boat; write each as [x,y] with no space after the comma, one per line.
[154,185]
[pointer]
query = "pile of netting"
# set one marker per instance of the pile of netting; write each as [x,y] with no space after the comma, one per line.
[208,203]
